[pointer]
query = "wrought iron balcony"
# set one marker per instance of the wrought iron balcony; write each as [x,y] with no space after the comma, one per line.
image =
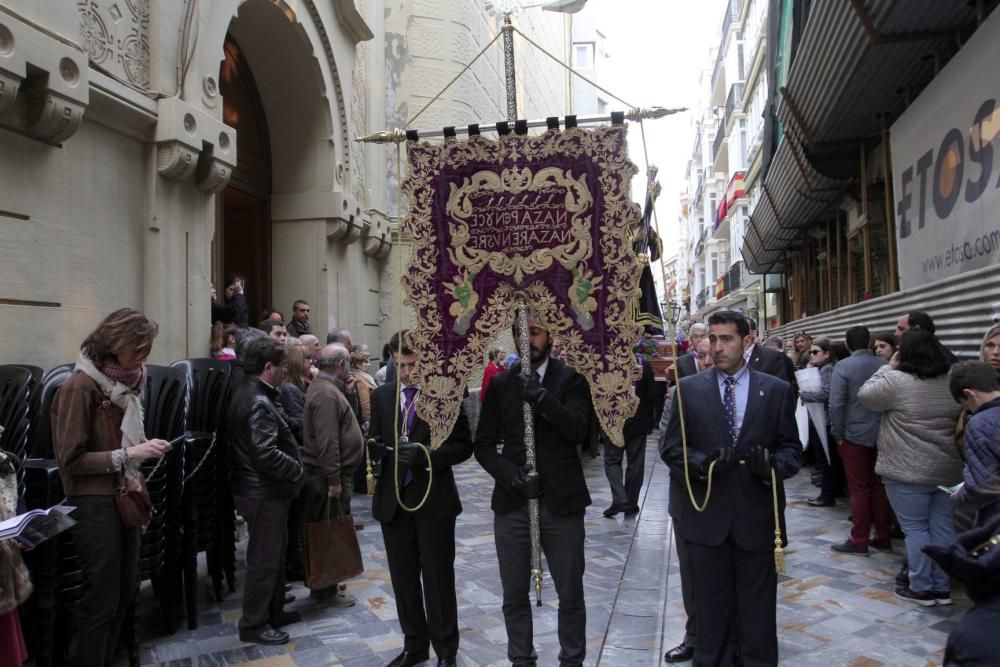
[733,102]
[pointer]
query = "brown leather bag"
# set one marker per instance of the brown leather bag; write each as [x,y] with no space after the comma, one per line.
[332,553]
[134,504]
[132,498]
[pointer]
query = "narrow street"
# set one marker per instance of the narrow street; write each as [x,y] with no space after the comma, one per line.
[832,609]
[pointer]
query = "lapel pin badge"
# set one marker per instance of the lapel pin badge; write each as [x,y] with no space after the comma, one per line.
[762,392]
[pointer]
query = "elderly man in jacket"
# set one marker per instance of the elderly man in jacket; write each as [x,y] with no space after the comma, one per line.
[855,429]
[332,444]
[265,475]
[975,385]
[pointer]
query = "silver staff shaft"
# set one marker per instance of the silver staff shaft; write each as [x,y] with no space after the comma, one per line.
[524,348]
[399,136]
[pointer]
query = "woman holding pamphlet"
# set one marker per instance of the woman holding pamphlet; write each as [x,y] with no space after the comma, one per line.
[100,442]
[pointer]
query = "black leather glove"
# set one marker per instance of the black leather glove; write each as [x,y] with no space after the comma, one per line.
[527,484]
[761,463]
[410,455]
[725,460]
[531,389]
[376,449]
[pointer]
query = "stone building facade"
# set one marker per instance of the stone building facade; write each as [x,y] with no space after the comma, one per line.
[148,149]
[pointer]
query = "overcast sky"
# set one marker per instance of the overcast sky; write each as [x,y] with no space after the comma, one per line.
[657,50]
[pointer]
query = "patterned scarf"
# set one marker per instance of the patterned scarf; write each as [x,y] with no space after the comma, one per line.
[129,378]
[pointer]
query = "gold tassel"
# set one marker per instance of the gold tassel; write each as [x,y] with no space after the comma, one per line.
[779,553]
[370,477]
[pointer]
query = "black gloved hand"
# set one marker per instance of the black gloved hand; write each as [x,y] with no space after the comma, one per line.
[531,389]
[725,460]
[526,483]
[410,455]
[761,463]
[376,449]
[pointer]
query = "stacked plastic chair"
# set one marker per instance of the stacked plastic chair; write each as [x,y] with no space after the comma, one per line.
[55,570]
[18,385]
[207,512]
[164,403]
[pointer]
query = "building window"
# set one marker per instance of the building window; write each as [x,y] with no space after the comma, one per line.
[715,266]
[583,55]
[739,56]
[743,142]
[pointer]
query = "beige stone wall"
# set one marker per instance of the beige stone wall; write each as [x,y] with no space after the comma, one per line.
[98,209]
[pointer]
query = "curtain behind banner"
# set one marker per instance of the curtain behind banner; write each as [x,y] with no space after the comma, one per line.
[547,216]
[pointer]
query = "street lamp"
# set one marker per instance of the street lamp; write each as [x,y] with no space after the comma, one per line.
[515,7]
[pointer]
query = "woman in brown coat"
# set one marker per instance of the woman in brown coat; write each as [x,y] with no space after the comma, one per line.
[98,436]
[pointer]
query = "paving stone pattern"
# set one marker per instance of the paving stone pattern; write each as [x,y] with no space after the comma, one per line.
[832,609]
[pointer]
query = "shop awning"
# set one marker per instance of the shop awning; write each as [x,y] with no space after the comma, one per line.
[795,194]
[856,61]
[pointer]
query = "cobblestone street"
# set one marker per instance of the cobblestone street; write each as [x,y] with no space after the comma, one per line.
[832,609]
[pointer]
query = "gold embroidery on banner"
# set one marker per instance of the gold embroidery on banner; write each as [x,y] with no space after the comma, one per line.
[559,200]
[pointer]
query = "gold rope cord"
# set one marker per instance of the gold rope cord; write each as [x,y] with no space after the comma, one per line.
[399,343]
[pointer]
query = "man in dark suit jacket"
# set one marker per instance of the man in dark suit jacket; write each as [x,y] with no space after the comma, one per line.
[419,543]
[687,363]
[560,399]
[766,360]
[625,496]
[744,422]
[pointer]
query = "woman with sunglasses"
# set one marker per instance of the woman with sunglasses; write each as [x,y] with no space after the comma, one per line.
[821,356]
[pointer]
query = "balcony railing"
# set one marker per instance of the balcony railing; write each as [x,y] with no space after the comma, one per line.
[720,137]
[699,300]
[732,13]
[733,102]
[734,279]
[699,190]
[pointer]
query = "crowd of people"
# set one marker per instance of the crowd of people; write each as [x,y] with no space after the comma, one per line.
[912,433]
[909,433]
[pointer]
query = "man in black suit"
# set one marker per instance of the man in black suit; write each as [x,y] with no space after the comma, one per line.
[560,399]
[625,496]
[687,363]
[766,360]
[744,422]
[419,538]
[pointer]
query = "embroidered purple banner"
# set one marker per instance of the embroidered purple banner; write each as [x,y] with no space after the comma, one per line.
[547,216]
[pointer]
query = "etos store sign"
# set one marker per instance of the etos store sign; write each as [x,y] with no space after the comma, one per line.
[946,167]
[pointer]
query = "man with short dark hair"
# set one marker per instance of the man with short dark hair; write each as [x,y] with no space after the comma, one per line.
[332,448]
[975,385]
[275,329]
[855,428]
[560,398]
[767,360]
[265,475]
[915,319]
[741,432]
[419,534]
[299,325]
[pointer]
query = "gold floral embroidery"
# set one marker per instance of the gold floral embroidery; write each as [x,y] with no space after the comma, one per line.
[546,206]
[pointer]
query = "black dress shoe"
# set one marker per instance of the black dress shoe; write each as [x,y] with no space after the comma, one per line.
[268,636]
[613,510]
[632,511]
[680,653]
[447,662]
[408,659]
[820,501]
